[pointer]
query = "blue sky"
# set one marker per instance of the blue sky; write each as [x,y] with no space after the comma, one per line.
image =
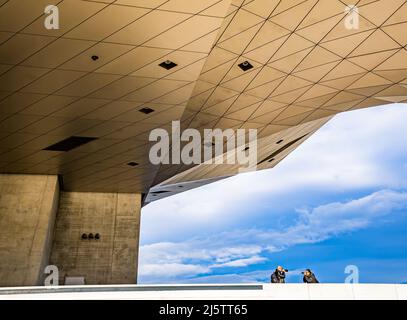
[339,199]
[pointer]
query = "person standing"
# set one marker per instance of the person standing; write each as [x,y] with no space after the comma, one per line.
[278,276]
[309,277]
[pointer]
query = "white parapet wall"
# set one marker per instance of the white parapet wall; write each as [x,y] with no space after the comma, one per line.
[213,292]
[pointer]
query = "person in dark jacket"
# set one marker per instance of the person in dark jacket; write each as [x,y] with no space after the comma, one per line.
[309,277]
[278,276]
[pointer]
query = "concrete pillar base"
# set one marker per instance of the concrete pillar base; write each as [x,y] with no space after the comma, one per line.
[28,207]
[97,237]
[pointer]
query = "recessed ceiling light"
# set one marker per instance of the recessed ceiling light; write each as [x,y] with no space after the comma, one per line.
[95,57]
[168,64]
[146,110]
[132,164]
[246,65]
[69,144]
[247,148]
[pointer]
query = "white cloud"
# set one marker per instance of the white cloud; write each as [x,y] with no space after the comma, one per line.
[241,248]
[356,151]
[352,152]
[241,262]
[196,249]
[328,220]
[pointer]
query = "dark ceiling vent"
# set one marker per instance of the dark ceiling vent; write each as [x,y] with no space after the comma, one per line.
[132,164]
[279,141]
[69,144]
[159,192]
[245,66]
[271,157]
[247,148]
[146,110]
[168,64]
[95,57]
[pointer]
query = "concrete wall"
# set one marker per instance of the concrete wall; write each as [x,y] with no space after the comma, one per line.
[113,258]
[28,206]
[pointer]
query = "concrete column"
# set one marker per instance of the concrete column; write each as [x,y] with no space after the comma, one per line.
[28,206]
[111,259]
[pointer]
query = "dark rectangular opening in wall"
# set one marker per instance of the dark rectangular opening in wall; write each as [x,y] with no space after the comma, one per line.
[271,157]
[159,192]
[146,110]
[69,144]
